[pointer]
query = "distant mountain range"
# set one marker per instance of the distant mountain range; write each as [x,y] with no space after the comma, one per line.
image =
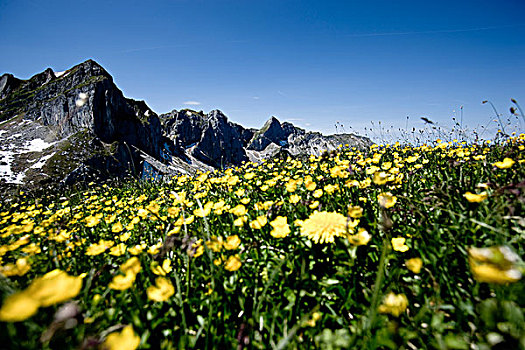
[77,126]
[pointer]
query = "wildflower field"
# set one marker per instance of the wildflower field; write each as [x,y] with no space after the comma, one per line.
[394,247]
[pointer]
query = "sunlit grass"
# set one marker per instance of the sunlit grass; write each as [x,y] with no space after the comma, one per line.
[354,249]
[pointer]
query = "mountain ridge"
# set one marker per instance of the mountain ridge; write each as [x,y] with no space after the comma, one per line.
[88,129]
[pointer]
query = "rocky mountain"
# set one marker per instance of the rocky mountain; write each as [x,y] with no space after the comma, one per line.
[76,125]
[210,138]
[73,125]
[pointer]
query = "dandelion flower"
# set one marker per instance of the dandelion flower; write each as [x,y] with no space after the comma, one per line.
[322,227]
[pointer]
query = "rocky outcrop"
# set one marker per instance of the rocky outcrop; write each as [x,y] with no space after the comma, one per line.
[220,145]
[77,126]
[184,127]
[86,118]
[211,138]
[271,132]
[275,137]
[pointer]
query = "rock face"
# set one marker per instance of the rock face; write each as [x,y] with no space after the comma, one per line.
[275,137]
[77,126]
[211,139]
[92,127]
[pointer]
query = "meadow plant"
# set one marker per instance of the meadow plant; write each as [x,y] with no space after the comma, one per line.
[393,247]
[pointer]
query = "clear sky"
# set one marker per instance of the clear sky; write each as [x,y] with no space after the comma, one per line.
[314,63]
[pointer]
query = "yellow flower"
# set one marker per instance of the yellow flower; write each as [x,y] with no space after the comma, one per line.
[361,238]
[117,227]
[475,198]
[125,340]
[20,268]
[399,244]
[355,212]
[505,164]
[233,263]
[239,210]
[314,205]
[380,178]
[137,249]
[318,193]
[125,236]
[18,307]
[92,221]
[322,227]
[280,227]
[215,243]
[294,198]
[414,264]
[123,282]
[240,221]
[394,304]
[162,290]
[259,222]
[132,264]
[99,248]
[54,287]
[118,250]
[386,200]
[232,242]
[161,270]
[497,264]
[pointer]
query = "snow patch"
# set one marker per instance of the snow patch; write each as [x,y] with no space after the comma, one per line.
[42,161]
[59,74]
[36,145]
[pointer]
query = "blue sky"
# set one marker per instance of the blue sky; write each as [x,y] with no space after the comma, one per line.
[314,63]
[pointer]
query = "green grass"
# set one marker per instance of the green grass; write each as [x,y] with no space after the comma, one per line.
[288,292]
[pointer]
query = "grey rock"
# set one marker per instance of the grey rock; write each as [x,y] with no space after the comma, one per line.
[77,106]
[220,145]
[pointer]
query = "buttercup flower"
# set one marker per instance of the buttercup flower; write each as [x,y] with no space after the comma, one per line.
[280,227]
[361,238]
[124,340]
[497,264]
[233,263]
[162,290]
[394,304]
[386,200]
[232,242]
[505,164]
[475,198]
[399,244]
[414,264]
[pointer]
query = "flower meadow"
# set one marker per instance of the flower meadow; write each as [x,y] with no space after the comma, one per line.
[392,247]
